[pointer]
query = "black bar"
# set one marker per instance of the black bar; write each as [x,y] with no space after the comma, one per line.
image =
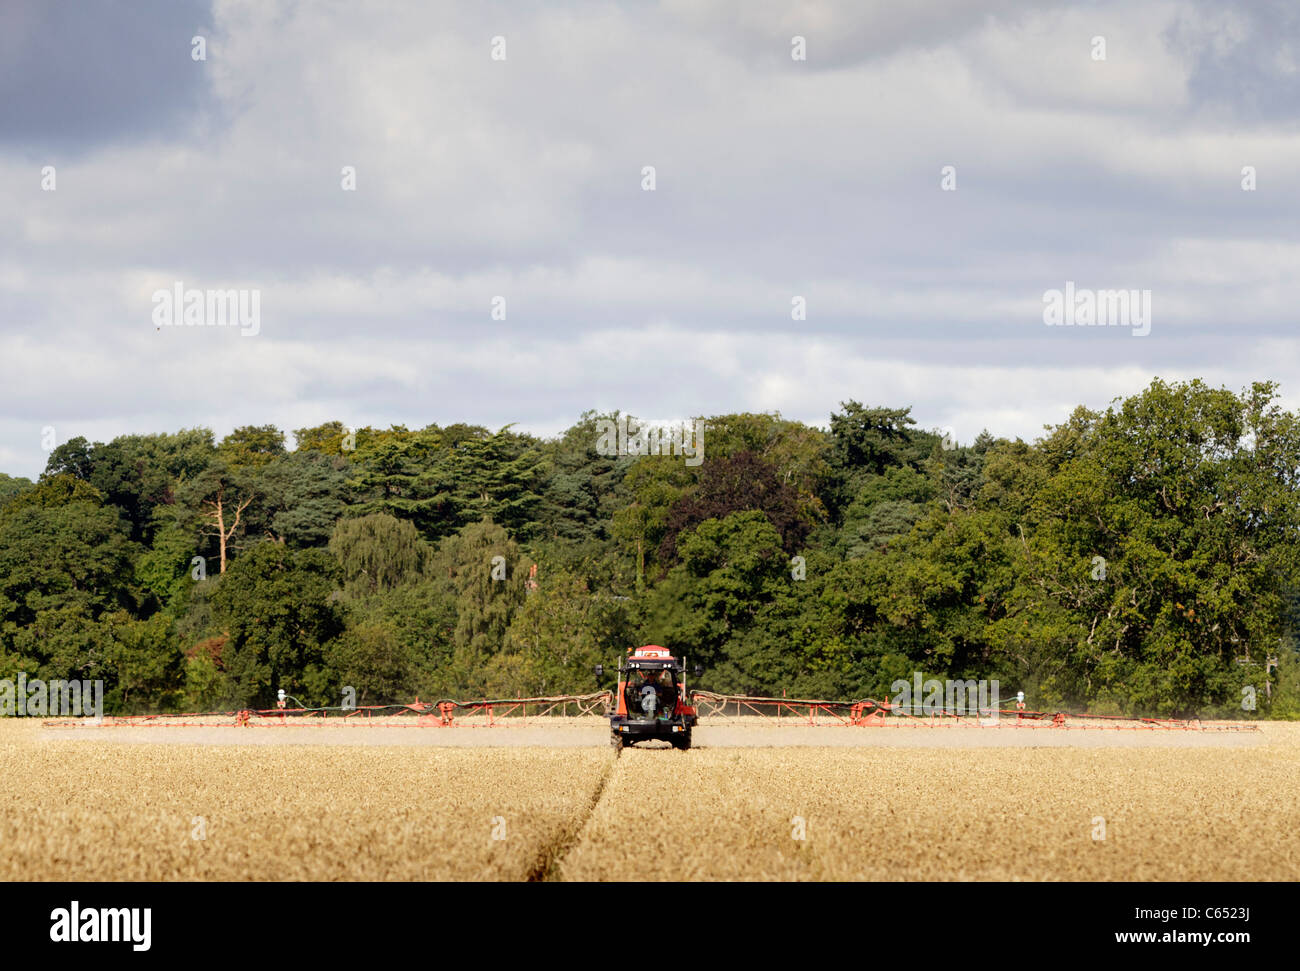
[919,924]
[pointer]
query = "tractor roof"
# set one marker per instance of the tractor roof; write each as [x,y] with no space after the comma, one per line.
[651,651]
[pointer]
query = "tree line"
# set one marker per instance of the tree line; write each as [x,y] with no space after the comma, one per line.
[1141,559]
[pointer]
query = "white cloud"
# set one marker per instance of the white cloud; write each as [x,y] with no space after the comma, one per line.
[521,178]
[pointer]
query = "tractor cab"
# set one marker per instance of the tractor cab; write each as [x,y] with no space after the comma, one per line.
[651,689]
[650,701]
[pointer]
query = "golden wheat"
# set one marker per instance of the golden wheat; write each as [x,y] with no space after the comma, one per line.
[86,810]
[872,805]
[947,814]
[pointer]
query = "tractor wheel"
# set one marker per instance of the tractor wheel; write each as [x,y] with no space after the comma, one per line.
[683,741]
[617,741]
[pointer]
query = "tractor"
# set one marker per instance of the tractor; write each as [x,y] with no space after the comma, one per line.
[650,701]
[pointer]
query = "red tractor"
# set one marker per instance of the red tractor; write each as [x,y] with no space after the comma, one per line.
[650,700]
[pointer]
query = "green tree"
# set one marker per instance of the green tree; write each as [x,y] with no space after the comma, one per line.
[137,474]
[280,610]
[487,573]
[798,455]
[407,475]
[499,477]
[740,482]
[252,445]
[582,490]
[74,555]
[378,552]
[419,616]
[330,439]
[558,635]
[214,503]
[1186,496]
[710,606]
[11,487]
[54,492]
[300,497]
[372,659]
[166,570]
[145,662]
[641,523]
[872,439]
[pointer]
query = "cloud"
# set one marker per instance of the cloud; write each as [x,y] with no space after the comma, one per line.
[75,77]
[1245,60]
[521,178]
[839,33]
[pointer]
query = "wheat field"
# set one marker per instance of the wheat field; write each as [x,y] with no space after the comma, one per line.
[870,806]
[84,810]
[950,814]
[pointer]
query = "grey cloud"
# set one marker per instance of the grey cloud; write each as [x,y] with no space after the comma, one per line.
[78,75]
[839,33]
[1245,57]
[522,179]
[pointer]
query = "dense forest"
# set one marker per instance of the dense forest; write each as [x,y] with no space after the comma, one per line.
[1138,560]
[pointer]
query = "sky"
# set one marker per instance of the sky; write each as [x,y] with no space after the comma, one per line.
[918,182]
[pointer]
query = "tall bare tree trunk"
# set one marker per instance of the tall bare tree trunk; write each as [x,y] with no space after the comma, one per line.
[218,517]
[221,533]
